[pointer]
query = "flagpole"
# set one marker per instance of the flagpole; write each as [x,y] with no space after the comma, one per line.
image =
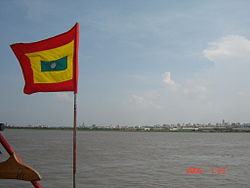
[74,143]
[75,105]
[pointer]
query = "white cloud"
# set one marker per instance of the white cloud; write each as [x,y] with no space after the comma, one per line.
[231,56]
[167,79]
[232,48]
[229,79]
[190,89]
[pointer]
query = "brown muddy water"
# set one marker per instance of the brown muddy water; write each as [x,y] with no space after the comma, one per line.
[133,159]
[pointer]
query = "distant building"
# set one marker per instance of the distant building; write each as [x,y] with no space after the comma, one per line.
[174,129]
[190,128]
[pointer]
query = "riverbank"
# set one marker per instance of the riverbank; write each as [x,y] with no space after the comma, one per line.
[128,129]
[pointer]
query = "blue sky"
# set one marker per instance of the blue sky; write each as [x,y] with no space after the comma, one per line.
[142,62]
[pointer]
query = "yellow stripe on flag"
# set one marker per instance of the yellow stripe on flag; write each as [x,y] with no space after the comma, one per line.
[52,55]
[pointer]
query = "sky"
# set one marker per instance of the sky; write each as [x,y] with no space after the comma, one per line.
[141,62]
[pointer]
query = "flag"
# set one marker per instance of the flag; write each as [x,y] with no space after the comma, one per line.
[50,65]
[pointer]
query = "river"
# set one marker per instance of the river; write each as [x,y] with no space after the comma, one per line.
[133,159]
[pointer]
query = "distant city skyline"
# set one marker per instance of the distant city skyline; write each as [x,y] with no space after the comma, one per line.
[140,62]
[184,127]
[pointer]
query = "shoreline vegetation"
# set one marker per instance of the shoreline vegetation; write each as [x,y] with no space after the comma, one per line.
[140,129]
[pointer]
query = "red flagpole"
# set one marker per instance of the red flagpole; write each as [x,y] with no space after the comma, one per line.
[6,145]
[74,143]
[75,105]
[36,184]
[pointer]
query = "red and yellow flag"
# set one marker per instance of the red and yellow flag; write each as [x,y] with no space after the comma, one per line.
[50,65]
